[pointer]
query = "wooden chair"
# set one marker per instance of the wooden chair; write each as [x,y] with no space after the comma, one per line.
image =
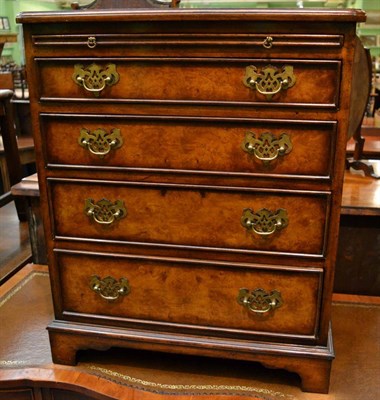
[10,161]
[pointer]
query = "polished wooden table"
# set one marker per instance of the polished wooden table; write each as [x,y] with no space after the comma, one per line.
[361,195]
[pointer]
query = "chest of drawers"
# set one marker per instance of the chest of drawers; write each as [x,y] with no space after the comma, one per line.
[190,167]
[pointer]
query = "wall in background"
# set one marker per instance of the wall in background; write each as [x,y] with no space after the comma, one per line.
[369,32]
[10,9]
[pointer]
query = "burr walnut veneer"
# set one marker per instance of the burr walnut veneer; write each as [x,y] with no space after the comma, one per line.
[190,167]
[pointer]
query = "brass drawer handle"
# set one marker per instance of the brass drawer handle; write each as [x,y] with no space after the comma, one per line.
[104,212]
[264,222]
[100,142]
[259,301]
[91,42]
[109,288]
[94,78]
[268,42]
[270,80]
[267,147]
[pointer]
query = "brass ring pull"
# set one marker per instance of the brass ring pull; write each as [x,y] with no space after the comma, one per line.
[91,42]
[94,78]
[104,212]
[109,288]
[259,301]
[270,80]
[268,42]
[267,147]
[264,222]
[100,142]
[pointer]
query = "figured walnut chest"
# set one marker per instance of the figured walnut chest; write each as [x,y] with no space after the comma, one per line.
[190,167]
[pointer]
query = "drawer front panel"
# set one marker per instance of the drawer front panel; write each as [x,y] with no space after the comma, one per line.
[189,293]
[193,81]
[184,43]
[213,145]
[179,216]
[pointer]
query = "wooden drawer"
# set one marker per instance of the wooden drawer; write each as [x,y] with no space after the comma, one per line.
[194,216]
[189,294]
[209,145]
[312,83]
[187,44]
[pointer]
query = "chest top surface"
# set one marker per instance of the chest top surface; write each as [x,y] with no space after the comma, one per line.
[281,15]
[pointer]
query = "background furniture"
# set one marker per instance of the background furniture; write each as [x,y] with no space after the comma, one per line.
[358,257]
[371,145]
[123,4]
[11,168]
[25,150]
[357,162]
[28,189]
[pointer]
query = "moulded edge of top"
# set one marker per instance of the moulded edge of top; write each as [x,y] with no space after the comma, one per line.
[290,15]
